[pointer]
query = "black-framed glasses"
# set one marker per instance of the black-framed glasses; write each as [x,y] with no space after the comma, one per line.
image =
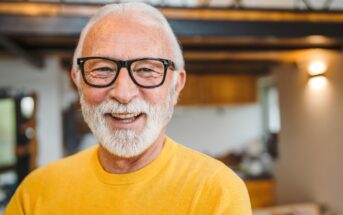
[144,72]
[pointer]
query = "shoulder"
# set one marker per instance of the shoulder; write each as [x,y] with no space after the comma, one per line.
[48,178]
[220,190]
[202,162]
[67,166]
[212,172]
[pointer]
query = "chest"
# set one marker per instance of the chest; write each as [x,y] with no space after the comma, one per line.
[159,195]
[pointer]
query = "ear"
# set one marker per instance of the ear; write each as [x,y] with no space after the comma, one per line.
[75,77]
[181,81]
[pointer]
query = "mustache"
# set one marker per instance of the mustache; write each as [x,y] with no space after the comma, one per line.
[135,106]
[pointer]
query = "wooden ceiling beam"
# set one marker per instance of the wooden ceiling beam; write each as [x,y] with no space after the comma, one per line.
[256,56]
[71,26]
[214,14]
[12,47]
[200,30]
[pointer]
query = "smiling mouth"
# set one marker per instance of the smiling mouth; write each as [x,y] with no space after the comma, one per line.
[125,117]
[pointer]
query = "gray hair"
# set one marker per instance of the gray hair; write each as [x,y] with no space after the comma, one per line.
[132,9]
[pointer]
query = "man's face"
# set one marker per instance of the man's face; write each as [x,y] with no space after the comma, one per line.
[127,119]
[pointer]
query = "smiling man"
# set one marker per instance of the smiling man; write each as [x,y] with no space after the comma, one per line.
[129,71]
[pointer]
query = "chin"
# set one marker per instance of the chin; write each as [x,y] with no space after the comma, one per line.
[129,143]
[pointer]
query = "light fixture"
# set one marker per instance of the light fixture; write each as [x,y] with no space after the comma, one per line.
[316,68]
[317,82]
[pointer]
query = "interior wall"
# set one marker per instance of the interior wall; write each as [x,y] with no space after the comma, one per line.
[18,74]
[216,130]
[310,163]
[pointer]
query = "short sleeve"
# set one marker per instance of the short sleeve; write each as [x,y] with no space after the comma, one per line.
[223,193]
[23,200]
[16,204]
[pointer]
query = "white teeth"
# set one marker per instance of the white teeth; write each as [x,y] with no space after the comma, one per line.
[124,115]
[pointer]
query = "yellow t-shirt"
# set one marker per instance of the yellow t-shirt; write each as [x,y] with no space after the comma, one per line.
[178,181]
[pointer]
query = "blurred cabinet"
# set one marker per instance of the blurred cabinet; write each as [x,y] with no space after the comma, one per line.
[219,89]
[18,142]
[262,192]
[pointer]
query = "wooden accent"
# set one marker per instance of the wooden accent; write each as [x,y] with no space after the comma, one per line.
[304,208]
[262,56]
[219,89]
[197,28]
[227,66]
[251,15]
[47,9]
[11,46]
[53,9]
[239,55]
[262,193]
[263,43]
[31,147]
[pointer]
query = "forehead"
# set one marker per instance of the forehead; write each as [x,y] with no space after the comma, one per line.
[125,37]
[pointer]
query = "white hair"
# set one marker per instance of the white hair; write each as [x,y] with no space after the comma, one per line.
[135,10]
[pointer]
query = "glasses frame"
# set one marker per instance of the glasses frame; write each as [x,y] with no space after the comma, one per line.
[127,64]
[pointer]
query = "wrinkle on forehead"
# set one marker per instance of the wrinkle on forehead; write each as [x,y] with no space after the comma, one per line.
[146,33]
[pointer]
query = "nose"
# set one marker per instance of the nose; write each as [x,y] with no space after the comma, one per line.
[124,89]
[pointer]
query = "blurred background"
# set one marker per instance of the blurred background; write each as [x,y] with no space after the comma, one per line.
[264,93]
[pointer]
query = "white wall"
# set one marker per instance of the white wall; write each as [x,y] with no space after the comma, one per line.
[311,139]
[216,130]
[46,83]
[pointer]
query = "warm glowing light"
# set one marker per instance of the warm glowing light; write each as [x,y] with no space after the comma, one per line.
[318,82]
[317,39]
[27,106]
[316,68]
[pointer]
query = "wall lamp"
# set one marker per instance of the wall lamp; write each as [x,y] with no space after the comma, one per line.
[316,70]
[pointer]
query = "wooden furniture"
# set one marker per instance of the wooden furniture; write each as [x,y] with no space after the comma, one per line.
[305,208]
[262,192]
[219,89]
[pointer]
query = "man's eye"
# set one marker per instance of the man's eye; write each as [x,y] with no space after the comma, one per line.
[102,70]
[146,71]
[143,70]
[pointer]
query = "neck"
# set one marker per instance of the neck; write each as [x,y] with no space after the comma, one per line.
[119,165]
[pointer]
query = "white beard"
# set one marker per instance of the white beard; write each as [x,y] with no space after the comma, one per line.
[124,142]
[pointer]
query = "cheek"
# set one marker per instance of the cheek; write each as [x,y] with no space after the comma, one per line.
[94,96]
[152,96]
[157,95]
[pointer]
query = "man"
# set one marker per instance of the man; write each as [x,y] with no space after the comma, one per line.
[128,68]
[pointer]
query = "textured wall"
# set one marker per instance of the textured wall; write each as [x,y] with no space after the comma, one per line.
[311,139]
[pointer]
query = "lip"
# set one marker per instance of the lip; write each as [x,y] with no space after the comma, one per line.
[126,121]
[125,116]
